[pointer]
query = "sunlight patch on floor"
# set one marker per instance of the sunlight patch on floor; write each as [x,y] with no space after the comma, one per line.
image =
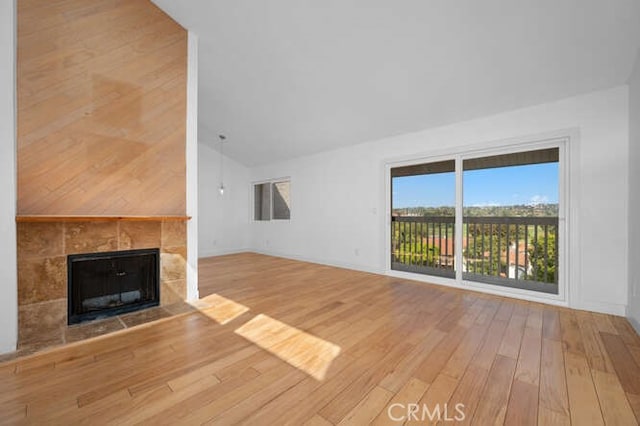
[221,309]
[302,350]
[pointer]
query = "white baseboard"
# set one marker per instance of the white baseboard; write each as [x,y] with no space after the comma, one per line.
[601,307]
[634,323]
[8,347]
[634,320]
[221,252]
[605,308]
[337,264]
[480,288]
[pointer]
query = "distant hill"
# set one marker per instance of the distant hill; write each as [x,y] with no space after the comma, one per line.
[519,210]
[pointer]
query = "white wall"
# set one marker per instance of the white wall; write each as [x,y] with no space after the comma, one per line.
[633,309]
[191,157]
[8,274]
[223,219]
[338,197]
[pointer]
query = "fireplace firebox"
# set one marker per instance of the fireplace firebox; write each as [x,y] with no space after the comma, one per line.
[111,283]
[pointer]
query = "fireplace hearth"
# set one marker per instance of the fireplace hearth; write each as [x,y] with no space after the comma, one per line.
[105,284]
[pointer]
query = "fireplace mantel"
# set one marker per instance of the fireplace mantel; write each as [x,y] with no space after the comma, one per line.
[104,218]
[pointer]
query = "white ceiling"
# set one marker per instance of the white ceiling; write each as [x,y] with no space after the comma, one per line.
[284,78]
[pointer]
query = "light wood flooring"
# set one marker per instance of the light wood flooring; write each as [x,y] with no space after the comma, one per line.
[277,341]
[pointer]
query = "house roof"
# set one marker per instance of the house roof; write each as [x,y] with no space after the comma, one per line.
[523,255]
[446,246]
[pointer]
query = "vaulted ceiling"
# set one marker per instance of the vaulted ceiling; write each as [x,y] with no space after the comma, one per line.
[285,78]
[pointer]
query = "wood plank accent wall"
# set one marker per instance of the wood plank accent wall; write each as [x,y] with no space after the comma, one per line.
[101,109]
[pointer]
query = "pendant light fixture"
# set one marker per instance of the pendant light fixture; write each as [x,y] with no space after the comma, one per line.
[221,188]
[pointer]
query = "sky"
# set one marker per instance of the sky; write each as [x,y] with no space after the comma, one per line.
[504,186]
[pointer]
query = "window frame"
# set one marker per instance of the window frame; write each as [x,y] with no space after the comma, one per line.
[271,183]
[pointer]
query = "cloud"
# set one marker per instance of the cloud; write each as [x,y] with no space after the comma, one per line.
[487,204]
[538,199]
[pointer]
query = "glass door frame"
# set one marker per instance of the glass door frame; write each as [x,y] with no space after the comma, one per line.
[497,148]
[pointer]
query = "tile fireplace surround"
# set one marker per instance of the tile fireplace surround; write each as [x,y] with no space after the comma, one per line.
[43,245]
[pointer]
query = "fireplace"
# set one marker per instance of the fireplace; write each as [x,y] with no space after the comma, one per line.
[111,283]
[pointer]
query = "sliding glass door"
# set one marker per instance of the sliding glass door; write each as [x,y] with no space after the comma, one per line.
[510,209]
[423,218]
[509,205]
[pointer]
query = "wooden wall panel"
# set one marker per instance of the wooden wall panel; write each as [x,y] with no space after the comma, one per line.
[101,108]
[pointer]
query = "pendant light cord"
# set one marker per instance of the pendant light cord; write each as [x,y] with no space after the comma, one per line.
[222,139]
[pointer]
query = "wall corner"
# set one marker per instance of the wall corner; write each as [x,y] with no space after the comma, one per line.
[192,166]
[8,266]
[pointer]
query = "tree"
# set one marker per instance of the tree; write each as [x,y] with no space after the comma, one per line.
[544,267]
[409,249]
[483,254]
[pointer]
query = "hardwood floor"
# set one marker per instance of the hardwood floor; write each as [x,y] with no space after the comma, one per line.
[277,341]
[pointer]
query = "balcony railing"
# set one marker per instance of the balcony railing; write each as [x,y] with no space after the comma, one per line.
[520,252]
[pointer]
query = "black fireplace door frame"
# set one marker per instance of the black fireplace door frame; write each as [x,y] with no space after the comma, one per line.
[75,318]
